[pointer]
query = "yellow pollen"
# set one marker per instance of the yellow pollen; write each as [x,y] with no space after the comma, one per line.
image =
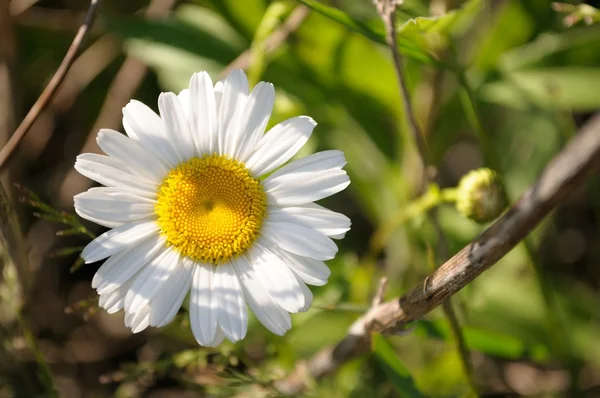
[210,209]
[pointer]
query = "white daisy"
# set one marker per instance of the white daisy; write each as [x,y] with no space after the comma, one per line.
[188,211]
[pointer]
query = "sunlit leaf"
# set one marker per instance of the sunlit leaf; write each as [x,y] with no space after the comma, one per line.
[394,368]
[568,88]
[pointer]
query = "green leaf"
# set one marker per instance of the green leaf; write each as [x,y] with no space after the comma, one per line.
[406,46]
[487,341]
[568,88]
[194,39]
[394,368]
[341,17]
[434,32]
[575,46]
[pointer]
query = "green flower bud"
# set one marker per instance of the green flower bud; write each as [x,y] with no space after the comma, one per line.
[480,196]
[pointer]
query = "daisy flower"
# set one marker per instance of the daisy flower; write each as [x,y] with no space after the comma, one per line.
[199,201]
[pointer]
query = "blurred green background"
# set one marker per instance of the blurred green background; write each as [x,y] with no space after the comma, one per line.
[497,83]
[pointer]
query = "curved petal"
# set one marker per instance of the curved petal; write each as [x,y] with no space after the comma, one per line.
[151,278]
[203,305]
[279,144]
[121,266]
[218,94]
[177,126]
[117,239]
[299,240]
[113,301]
[168,300]
[275,277]
[254,119]
[273,317]
[138,161]
[316,217]
[320,161]
[184,100]
[113,173]
[298,188]
[308,296]
[218,339]
[231,311]
[112,207]
[311,271]
[203,113]
[147,128]
[138,321]
[235,93]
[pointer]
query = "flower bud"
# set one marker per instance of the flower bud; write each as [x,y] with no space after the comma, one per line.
[480,195]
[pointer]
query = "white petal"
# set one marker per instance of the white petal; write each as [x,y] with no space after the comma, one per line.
[117,239]
[150,279]
[311,271]
[168,300]
[235,93]
[177,126]
[318,218]
[308,296]
[320,161]
[139,320]
[113,301]
[184,100]
[203,303]
[279,144]
[255,118]
[137,160]
[121,266]
[203,113]
[148,129]
[218,94]
[113,206]
[276,277]
[113,173]
[218,339]
[299,240]
[298,188]
[231,310]
[273,317]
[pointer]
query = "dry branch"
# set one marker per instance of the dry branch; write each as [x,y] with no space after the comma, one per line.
[566,172]
[52,86]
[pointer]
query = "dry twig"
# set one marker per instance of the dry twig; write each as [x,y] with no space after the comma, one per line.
[52,86]
[562,176]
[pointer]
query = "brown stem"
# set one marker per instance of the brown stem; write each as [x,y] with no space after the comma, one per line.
[52,86]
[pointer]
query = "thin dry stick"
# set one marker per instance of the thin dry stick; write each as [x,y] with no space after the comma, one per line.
[565,173]
[387,12]
[52,86]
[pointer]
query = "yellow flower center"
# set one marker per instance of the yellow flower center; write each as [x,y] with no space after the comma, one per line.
[210,209]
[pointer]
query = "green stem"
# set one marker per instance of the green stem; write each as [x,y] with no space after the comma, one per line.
[44,370]
[430,199]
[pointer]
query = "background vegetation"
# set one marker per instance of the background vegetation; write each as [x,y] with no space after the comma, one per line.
[500,83]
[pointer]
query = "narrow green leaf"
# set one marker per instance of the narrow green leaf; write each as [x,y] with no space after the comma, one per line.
[567,88]
[406,46]
[346,20]
[394,368]
[486,341]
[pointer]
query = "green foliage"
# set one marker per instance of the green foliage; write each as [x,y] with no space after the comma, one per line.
[394,368]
